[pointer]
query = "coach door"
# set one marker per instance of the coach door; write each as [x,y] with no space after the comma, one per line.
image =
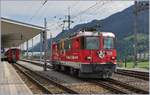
[14,55]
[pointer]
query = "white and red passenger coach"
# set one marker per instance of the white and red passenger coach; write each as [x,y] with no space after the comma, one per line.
[87,54]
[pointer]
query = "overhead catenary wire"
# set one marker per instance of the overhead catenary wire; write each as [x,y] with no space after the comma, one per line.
[79,14]
[44,2]
[96,10]
[84,11]
[90,9]
[38,10]
[74,5]
[95,7]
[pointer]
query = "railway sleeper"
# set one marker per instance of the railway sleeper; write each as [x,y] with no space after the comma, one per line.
[53,82]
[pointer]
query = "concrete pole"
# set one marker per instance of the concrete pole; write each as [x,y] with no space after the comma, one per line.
[32,47]
[27,50]
[24,49]
[45,44]
[41,45]
[135,34]
[21,51]
[51,50]
[69,19]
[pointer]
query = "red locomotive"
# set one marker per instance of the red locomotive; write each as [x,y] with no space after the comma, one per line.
[87,54]
[12,55]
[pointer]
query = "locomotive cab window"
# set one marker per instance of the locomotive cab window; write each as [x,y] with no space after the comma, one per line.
[108,43]
[92,43]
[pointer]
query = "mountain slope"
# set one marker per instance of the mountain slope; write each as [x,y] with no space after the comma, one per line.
[122,25]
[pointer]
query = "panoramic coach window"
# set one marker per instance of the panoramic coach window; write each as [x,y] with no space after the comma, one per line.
[108,43]
[92,42]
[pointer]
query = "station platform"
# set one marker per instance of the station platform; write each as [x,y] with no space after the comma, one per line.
[10,81]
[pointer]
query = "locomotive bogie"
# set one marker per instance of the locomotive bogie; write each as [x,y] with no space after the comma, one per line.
[97,70]
[86,70]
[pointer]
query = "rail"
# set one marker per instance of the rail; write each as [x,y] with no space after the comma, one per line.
[65,88]
[44,89]
[137,74]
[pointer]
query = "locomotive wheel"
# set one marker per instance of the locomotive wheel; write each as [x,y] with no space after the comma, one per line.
[67,69]
[106,75]
[62,68]
[71,71]
[57,67]
[53,66]
[74,72]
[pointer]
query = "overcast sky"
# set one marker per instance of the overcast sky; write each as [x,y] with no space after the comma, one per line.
[32,11]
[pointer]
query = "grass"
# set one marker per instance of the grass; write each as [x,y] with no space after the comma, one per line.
[142,65]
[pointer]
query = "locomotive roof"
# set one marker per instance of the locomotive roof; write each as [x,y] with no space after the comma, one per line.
[95,33]
[88,33]
[15,32]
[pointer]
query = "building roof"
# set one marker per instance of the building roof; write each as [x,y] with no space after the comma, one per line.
[14,32]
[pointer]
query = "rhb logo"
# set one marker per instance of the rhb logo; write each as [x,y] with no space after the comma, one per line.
[101,54]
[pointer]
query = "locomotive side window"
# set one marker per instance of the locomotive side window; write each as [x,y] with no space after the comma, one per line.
[92,43]
[58,46]
[82,43]
[108,43]
[62,44]
[67,44]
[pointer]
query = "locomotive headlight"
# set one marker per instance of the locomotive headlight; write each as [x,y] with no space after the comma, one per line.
[88,57]
[113,58]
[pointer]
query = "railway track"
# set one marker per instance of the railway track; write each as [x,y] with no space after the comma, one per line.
[127,86]
[137,74]
[111,87]
[44,82]
[115,86]
[119,87]
[36,63]
[44,89]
